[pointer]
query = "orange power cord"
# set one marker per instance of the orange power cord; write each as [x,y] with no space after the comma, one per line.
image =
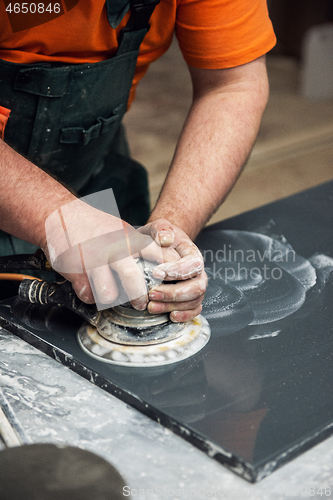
[16,277]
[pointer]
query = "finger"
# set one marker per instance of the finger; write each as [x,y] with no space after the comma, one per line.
[183,316]
[165,307]
[104,285]
[190,264]
[181,291]
[138,242]
[152,253]
[183,269]
[143,245]
[170,254]
[161,231]
[81,287]
[133,282]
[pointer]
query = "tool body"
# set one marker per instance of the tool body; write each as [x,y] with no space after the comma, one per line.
[119,335]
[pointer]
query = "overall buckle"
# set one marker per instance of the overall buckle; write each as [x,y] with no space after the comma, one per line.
[141,12]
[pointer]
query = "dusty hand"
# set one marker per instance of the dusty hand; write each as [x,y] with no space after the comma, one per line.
[183,263]
[87,246]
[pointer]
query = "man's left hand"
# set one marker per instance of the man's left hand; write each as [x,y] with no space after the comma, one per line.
[183,263]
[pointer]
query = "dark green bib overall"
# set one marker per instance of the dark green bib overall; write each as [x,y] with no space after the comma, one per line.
[67,120]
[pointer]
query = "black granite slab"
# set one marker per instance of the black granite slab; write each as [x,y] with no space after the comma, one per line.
[261,391]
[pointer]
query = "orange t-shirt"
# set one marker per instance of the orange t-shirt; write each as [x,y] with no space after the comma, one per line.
[212,34]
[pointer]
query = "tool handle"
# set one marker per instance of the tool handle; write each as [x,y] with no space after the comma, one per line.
[59,294]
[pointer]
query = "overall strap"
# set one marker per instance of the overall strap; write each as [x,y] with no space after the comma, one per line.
[133,33]
[141,11]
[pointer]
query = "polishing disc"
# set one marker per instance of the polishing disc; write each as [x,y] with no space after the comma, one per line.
[192,337]
[125,325]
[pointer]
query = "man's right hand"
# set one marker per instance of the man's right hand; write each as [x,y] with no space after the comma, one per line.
[87,246]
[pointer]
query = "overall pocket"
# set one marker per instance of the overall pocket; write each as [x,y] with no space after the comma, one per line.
[81,135]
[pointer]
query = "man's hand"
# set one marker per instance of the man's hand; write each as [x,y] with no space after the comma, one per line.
[184,264]
[95,250]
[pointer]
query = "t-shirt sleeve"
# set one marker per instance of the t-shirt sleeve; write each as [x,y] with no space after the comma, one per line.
[217,34]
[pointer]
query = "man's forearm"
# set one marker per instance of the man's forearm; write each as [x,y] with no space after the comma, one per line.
[214,145]
[28,195]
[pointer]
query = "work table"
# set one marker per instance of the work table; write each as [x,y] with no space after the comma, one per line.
[55,405]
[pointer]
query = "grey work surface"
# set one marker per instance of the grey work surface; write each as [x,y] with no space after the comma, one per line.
[55,405]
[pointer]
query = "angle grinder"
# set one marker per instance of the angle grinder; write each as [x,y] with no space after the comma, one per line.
[122,335]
